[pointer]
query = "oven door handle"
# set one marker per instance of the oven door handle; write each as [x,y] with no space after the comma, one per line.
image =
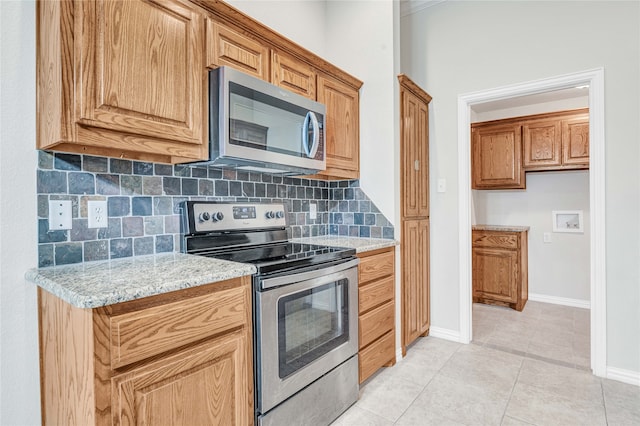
[304,276]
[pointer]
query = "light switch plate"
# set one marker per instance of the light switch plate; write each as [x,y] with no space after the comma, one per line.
[442,185]
[546,237]
[59,215]
[97,216]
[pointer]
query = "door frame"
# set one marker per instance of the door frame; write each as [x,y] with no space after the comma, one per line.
[595,79]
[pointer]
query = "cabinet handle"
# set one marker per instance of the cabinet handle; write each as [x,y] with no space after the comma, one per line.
[416,164]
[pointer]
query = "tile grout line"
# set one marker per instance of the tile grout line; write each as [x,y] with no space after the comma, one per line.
[604,402]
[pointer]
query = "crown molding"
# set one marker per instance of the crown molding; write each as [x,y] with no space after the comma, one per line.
[407,7]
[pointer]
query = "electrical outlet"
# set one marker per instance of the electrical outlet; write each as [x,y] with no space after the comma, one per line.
[59,214]
[97,214]
[313,211]
[546,237]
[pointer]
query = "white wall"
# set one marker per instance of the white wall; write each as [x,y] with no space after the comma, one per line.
[19,377]
[460,47]
[558,269]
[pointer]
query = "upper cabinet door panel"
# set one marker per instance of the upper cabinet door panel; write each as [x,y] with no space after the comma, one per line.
[142,68]
[342,133]
[228,47]
[575,137]
[497,157]
[542,144]
[415,156]
[293,75]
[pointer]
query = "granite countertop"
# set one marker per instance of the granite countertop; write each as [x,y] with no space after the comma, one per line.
[358,243]
[508,228]
[102,283]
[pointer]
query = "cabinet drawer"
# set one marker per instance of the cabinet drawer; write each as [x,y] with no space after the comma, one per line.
[375,293]
[508,240]
[377,354]
[375,323]
[140,334]
[376,266]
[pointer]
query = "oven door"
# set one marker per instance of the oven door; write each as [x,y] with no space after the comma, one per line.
[305,327]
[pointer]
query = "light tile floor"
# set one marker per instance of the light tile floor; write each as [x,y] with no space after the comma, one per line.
[532,371]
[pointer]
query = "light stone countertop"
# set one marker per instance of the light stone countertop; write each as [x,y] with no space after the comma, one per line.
[507,228]
[102,283]
[360,244]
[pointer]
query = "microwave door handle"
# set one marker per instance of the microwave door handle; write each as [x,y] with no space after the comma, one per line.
[310,151]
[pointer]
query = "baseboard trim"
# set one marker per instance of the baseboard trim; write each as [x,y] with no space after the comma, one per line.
[576,303]
[445,333]
[625,376]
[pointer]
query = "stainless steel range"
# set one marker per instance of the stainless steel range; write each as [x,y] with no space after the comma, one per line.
[305,309]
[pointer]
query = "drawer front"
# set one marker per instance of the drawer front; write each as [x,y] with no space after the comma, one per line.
[376,355]
[376,266]
[375,293]
[508,240]
[141,334]
[375,323]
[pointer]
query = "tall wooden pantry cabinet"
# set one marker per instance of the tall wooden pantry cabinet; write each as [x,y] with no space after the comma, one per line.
[414,210]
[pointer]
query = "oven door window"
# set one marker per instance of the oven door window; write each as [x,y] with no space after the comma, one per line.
[310,324]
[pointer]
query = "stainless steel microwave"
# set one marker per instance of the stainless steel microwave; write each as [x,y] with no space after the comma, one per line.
[257,126]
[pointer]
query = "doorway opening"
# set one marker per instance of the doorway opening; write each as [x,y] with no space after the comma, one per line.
[594,79]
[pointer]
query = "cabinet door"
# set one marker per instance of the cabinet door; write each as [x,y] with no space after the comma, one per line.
[142,69]
[231,48]
[415,280]
[203,386]
[575,141]
[496,160]
[542,144]
[415,156]
[293,75]
[495,274]
[342,132]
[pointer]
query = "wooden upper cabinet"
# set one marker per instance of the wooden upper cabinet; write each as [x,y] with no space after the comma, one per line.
[542,143]
[557,141]
[122,78]
[415,153]
[342,127]
[496,160]
[226,46]
[292,74]
[575,141]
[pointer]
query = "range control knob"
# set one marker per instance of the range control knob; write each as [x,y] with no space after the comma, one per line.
[217,216]
[204,216]
[280,214]
[270,214]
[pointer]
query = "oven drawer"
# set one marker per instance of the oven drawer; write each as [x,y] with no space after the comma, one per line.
[375,323]
[376,293]
[143,333]
[376,266]
[378,353]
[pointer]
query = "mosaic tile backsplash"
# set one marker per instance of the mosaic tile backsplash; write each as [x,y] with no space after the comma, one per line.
[143,200]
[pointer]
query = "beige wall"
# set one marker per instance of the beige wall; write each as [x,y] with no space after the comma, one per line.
[461,47]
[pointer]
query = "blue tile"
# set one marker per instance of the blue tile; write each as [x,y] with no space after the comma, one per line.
[189,186]
[151,185]
[80,231]
[120,166]
[272,190]
[205,187]
[45,255]
[365,231]
[130,185]
[46,236]
[153,225]
[261,190]
[114,230]
[248,189]
[172,224]
[376,232]
[301,192]
[118,206]
[343,206]
[163,169]
[337,218]
[199,172]
[142,246]
[369,219]
[96,250]
[181,170]
[164,243]
[365,206]
[120,247]
[221,188]
[141,206]
[387,232]
[43,206]
[67,253]
[338,194]
[81,183]
[67,161]
[51,182]
[95,164]
[171,186]
[229,174]
[132,226]
[162,205]
[142,168]
[215,173]
[45,160]
[354,231]
[349,194]
[235,188]
[107,184]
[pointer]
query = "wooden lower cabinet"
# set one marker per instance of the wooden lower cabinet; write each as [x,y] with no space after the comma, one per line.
[179,358]
[376,311]
[500,271]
